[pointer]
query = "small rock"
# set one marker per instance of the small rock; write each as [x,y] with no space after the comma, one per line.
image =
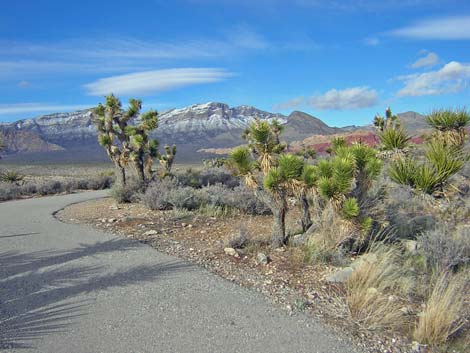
[114,207]
[262,259]
[231,252]
[190,225]
[415,347]
[411,246]
[183,225]
[103,220]
[340,276]
[151,232]
[112,220]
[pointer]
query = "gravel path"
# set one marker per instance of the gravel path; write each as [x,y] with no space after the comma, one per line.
[69,288]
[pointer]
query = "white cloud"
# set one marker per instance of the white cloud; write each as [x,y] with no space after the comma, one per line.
[155,81]
[447,28]
[349,98]
[451,78]
[429,60]
[18,108]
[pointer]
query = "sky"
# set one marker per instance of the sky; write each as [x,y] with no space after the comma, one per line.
[341,61]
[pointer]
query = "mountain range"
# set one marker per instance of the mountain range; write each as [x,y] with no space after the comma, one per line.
[73,136]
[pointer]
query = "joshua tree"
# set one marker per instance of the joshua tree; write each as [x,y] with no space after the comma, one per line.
[167,159]
[266,172]
[392,136]
[126,143]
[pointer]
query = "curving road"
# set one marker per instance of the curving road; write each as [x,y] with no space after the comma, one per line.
[72,289]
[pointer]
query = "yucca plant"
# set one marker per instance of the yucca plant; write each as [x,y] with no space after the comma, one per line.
[11,177]
[442,162]
[167,159]
[392,136]
[124,142]
[449,125]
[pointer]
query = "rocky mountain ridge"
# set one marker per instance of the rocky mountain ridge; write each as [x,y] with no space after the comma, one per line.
[199,126]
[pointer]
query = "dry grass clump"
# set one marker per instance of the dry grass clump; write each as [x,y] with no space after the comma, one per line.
[444,313]
[375,291]
[327,236]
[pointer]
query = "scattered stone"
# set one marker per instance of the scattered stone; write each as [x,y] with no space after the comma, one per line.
[411,246]
[231,252]
[183,225]
[262,259]
[190,225]
[151,232]
[112,220]
[103,220]
[415,347]
[340,276]
[114,207]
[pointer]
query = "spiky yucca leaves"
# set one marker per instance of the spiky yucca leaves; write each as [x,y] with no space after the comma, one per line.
[442,162]
[126,143]
[449,125]
[167,159]
[11,176]
[392,136]
[300,178]
[367,167]
[263,140]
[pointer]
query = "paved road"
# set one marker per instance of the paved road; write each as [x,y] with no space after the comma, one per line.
[72,289]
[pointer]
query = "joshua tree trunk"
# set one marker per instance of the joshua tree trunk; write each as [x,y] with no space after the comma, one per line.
[279,227]
[278,206]
[139,168]
[121,175]
[306,219]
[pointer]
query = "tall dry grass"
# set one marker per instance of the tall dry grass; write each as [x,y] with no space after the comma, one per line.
[444,312]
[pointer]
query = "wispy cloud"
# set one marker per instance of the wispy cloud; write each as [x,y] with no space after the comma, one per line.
[120,55]
[429,60]
[372,41]
[155,81]
[451,78]
[346,99]
[447,28]
[19,108]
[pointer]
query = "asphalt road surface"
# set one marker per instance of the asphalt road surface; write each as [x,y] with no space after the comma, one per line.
[73,289]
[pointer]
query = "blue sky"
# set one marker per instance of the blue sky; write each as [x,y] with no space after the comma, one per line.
[342,61]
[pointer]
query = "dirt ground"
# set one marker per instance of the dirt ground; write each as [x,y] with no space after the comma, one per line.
[286,279]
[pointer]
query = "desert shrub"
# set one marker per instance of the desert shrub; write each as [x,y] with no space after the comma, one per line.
[189,177]
[126,193]
[157,194]
[9,192]
[444,312]
[376,288]
[220,175]
[50,187]
[207,177]
[240,239]
[185,197]
[445,248]
[97,183]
